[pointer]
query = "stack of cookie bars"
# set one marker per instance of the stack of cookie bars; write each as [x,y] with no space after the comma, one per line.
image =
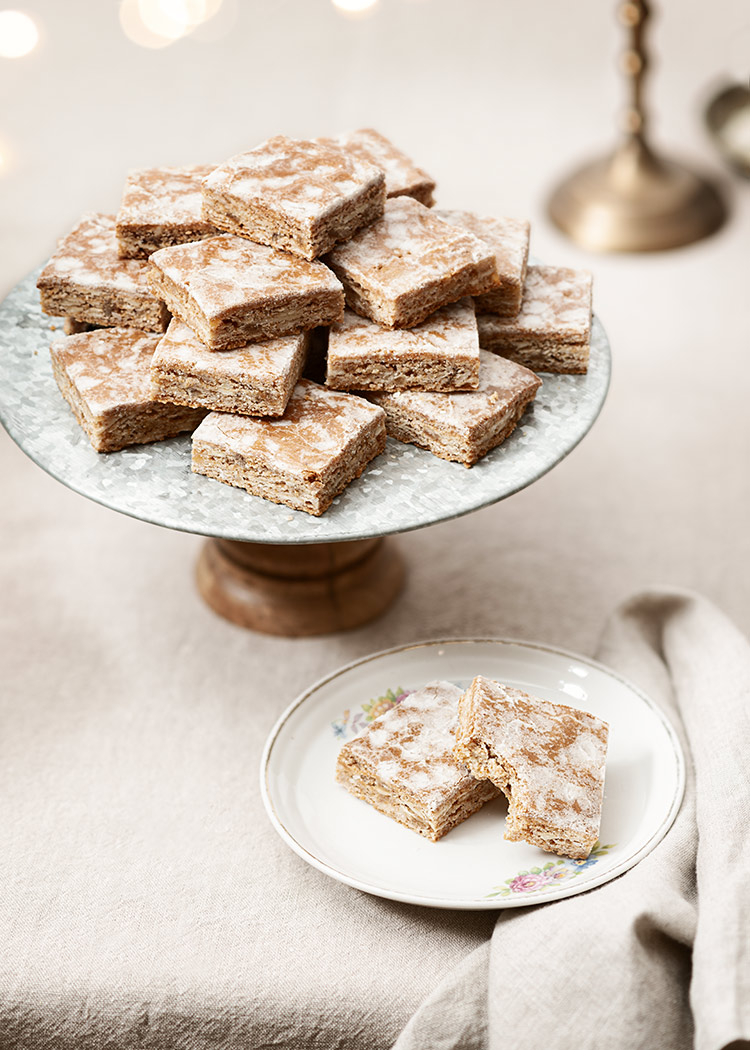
[297,303]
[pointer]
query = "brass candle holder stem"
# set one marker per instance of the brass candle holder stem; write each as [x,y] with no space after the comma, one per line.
[633,199]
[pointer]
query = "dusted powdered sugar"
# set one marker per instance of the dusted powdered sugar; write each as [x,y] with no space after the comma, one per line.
[165,195]
[257,363]
[406,249]
[302,178]
[313,431]
[502,384]
[556,302]
[109,367]
[449,332]
[508,238]
[402,176]
[88,256]
[226,272]
[410,747]
[556,753]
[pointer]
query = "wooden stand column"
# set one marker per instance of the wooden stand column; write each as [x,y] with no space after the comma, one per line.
[300,589]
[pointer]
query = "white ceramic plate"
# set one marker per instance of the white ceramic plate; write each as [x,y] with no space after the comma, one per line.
[472,866]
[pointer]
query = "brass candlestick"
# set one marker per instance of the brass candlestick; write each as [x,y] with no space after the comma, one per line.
[634,200]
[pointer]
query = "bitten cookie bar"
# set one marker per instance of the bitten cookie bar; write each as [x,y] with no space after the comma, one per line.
[161,207]
[301,196]
[462,426]
[403,764]
[410,263]
[105,378]
[553,330]
[254,380]
[402,177]
[231,291]
[304,459]
[547,758]
[88,281]
[441,353]
[509,239]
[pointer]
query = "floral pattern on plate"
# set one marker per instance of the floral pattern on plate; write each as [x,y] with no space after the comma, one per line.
[562,869]
[352,722]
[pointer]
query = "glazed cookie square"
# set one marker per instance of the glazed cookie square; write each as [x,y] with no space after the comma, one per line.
[547,758]
[552,332]
[231,291]
[105,377]
[402,176]
[161,207]
[410,263]
[253,380]
[441,353]
[403,764]
[87,281]
[304,459]
[466,425]
[298,195]
[509,239]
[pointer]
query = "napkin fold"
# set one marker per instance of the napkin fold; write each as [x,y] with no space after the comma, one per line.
[659,958]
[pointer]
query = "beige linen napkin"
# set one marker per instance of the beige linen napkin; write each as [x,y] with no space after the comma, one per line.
[660,957]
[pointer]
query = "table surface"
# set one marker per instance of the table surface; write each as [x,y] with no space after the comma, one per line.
[145,896]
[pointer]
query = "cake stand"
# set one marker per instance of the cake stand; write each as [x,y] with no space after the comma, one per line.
[265,566]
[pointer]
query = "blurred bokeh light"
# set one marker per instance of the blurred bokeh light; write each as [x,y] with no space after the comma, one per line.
[157,23]
[18,34]
[355,7]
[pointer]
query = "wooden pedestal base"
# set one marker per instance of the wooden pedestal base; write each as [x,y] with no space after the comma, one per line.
[299,590]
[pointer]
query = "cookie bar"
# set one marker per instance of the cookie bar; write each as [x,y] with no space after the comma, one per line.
[547,758]
[402,177]
[462,426]
[301,196]
[441,353]
[231,291]
[403,764]
[509,239]
[160,207]
[253,380]
[553,329]
[88,281]
[410,263]
[304,459]
[105,377]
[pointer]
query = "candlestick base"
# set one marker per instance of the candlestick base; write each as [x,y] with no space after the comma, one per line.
[634,201]
[300,590]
